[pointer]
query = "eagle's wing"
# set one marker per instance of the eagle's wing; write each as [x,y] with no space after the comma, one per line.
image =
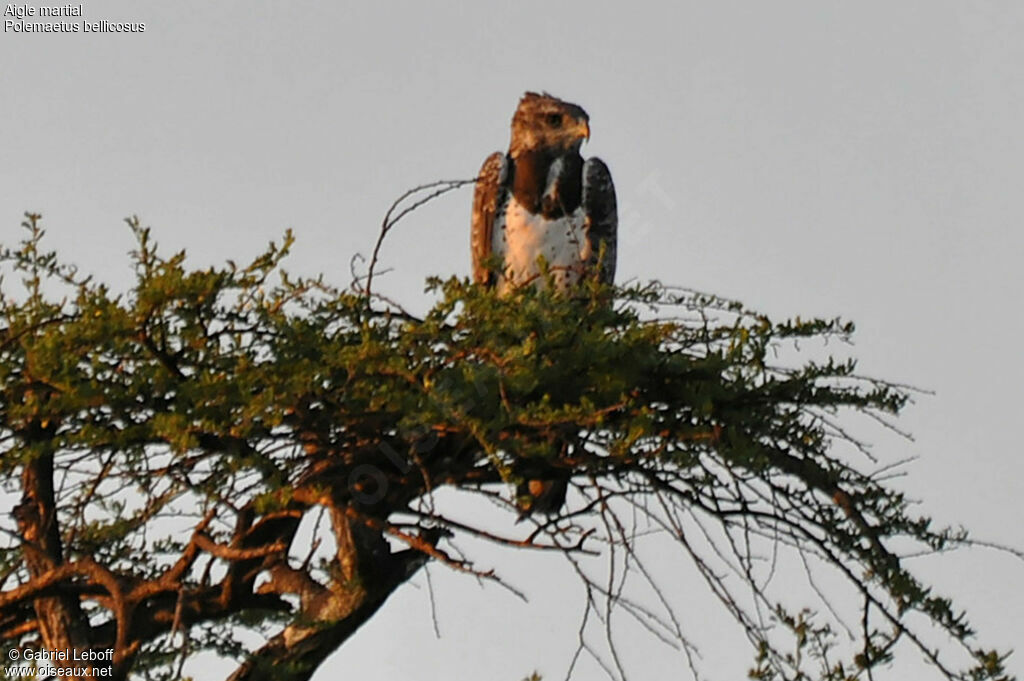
[485,206]
[602,216]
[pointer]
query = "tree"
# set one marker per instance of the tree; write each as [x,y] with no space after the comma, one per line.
[237,448]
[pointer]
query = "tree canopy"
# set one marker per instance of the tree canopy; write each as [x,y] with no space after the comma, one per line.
[236,448]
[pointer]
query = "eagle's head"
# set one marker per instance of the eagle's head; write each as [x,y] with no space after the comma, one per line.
[546,122]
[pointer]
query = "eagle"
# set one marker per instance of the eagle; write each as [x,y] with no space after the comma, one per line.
[540,208]
[542,203]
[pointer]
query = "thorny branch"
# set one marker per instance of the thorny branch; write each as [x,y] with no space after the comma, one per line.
[169,446]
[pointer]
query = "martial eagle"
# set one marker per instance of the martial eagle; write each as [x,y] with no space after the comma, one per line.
[541,205]
[541,202]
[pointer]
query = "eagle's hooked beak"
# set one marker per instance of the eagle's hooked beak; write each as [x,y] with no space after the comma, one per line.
[583,129]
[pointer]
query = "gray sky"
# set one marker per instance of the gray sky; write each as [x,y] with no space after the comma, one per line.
[814,158]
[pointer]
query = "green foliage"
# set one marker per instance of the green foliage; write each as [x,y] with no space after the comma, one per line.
[202,396]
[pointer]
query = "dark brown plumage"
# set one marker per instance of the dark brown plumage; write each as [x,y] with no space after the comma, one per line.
[541,198]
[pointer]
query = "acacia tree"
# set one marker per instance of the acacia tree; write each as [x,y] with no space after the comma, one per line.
[163,447]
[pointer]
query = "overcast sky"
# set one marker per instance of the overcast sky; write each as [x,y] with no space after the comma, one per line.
[814,158]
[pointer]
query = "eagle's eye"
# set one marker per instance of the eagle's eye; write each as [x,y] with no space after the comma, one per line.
[555,120]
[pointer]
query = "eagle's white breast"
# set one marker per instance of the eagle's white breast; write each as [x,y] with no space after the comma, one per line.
[521,239]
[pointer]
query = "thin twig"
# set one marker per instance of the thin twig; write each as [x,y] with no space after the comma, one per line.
[389,222]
